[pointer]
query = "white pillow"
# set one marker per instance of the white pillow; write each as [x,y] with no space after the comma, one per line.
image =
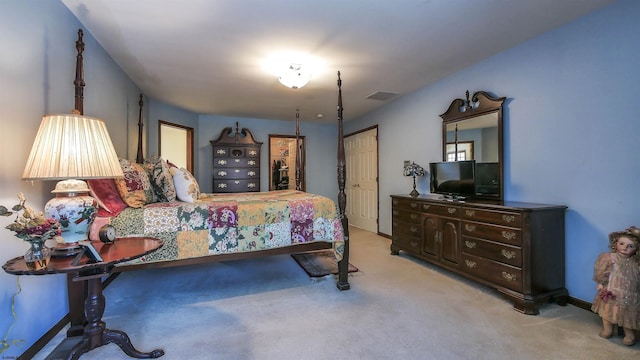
[187,188]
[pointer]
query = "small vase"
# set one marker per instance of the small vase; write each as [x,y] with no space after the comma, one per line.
[37,257]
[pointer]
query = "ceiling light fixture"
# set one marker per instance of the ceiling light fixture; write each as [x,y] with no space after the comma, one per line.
[295,76]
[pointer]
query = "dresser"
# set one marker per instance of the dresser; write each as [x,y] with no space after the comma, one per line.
[516,248]
[236,162]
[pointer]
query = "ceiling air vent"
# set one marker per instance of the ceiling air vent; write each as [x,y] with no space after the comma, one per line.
[381,95]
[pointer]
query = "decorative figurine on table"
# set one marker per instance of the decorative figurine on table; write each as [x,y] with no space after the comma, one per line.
[618,276]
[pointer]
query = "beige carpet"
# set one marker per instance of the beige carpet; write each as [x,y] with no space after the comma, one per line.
[398,308]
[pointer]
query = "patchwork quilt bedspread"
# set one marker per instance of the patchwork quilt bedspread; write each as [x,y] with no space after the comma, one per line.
[227,223]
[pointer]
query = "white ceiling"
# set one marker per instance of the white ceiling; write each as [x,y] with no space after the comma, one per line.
[206,56]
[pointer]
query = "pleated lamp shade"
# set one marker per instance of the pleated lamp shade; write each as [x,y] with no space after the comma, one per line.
[72,148]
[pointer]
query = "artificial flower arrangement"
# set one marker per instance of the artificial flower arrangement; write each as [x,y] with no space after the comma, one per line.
[30,225]
[35,228]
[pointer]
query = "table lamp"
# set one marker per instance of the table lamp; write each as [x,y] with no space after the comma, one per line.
[414,170]
[71,148]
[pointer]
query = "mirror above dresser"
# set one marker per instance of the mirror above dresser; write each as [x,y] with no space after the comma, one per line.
[472,130]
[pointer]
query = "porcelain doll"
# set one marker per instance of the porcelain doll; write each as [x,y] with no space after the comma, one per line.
[617,274]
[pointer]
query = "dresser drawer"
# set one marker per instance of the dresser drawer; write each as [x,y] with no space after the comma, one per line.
[252,152]
[241,185]
[406,228]
[442,210]
[406,204]
[407,243]
[220,152]
[492,216]
[495,272]
[407,216]
[492,232]
[239,173]
[235,162]
[511,255]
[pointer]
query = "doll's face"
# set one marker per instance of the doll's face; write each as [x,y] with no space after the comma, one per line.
[625,246]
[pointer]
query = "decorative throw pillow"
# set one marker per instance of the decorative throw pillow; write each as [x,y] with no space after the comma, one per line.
[161,179]
[187,188]
[135,188]
[107,195]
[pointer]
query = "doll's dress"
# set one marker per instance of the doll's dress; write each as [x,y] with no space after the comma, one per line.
[619,301]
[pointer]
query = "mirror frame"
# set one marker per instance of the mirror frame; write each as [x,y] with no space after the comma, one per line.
[301,152]
[481,103]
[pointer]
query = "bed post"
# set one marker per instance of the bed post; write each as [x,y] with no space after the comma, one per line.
[79,81]
[140,155]
[343,265]
[299,160]
[76,291]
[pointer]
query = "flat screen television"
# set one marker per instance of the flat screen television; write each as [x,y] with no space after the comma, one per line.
[453,178]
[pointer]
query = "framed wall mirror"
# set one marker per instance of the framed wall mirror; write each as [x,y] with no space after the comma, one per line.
[472,130]
[282,162]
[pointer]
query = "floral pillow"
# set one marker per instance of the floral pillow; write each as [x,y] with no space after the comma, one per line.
[187,188]
[135,188]
[161,179]
[107,195]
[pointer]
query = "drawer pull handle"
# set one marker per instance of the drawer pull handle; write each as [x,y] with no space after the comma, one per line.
[251,173]
[236,182]
[414,229]
[508,218]
[222,186]
[508,277]
[413,205]
[451,210]
[222,162]
[508,254]
[469,227]
[470,264]
[414,244]
[470,244]
[221,152]
[425,206]
[237,161]
[251,185]
[508,235]
[253,152]
[471,213]
[251,162]
[414,216]
[222,173]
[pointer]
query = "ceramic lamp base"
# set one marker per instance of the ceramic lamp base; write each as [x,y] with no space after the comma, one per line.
[73,208]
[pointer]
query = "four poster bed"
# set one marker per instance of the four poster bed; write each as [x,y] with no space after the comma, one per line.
[213,227]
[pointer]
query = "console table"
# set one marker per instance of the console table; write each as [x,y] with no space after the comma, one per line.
[95,333]
[516,248]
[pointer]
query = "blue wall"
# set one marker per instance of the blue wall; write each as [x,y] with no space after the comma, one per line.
[37,69]
[570,135]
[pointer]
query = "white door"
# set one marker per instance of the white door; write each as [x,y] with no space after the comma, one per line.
[361,152]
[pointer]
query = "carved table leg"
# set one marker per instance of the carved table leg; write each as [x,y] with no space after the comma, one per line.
[95,333]
[76,296]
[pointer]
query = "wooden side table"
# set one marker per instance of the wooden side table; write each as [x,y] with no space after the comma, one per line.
[95,333]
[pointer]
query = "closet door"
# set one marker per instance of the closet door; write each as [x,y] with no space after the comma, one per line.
[362,179]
